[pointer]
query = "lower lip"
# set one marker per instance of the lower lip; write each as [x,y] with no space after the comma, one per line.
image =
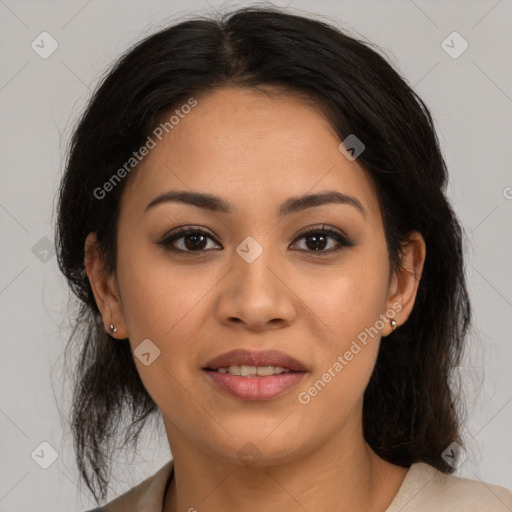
[256,388]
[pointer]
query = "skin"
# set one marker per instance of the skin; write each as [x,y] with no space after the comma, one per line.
[255,149]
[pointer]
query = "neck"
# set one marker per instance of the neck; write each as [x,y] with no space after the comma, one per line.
[340,476]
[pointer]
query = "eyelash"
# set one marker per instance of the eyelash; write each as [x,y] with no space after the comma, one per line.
[342,240]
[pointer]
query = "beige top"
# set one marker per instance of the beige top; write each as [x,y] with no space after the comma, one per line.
[424,489]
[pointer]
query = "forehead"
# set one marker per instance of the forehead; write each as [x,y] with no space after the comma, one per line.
[254,147]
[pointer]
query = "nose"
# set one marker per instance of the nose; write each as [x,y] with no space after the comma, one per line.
[257,295]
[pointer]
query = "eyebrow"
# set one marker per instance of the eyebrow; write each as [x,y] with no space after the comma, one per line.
[291,205]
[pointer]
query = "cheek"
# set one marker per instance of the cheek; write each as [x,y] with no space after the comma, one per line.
[349,346]
[167,304]
[158,297]
[159,304]
[349,300]
[347,312]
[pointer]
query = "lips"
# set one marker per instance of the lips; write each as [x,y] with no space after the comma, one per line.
[255,387]
[241,357]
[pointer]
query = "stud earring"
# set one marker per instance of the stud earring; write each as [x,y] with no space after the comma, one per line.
[394,325]
[113,329]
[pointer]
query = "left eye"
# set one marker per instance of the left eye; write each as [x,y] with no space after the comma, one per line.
[318,240]
[195,239]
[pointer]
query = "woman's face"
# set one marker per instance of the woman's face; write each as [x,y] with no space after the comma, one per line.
[250,279]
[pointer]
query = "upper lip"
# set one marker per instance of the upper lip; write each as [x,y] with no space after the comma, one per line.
[249,358]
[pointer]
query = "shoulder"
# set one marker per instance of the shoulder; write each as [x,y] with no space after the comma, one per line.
[425,488]
[147,496]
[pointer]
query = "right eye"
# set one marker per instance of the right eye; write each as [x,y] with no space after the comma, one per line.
[192,239]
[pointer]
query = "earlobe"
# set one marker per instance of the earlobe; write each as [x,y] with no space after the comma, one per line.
[104,288]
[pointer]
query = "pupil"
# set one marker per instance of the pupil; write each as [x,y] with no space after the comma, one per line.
[195,239]
[317,239]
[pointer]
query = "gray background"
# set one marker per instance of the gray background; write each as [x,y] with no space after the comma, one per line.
[469,96]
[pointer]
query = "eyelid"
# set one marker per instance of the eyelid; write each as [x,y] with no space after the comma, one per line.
[321,228]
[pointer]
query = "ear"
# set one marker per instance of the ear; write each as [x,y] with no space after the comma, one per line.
[104,287]
[404,283]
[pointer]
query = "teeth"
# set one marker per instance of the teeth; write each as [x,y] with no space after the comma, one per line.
[253,371]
